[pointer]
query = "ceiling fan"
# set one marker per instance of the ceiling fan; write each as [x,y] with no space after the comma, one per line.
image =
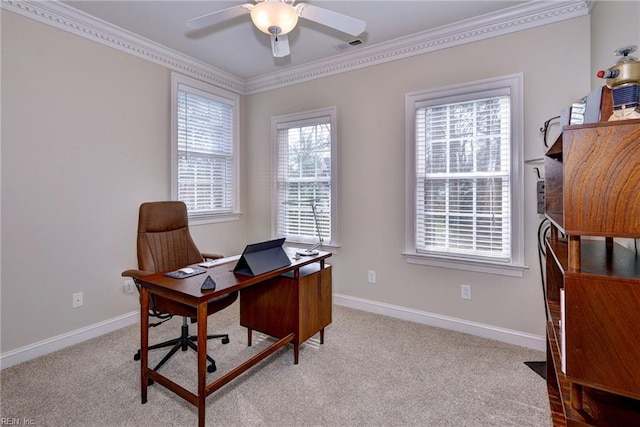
[278,17]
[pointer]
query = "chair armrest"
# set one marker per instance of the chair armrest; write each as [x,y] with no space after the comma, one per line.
[207,256]
[136,274]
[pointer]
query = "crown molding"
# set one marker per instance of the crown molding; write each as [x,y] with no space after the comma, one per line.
[66,18]
[517,18]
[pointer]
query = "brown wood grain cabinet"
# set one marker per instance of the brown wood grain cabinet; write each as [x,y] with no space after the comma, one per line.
[592,192]
[287,303]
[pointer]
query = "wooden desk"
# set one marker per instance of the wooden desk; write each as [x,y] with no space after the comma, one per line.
[291,303]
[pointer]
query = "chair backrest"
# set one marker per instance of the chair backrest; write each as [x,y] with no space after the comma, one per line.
[164,241]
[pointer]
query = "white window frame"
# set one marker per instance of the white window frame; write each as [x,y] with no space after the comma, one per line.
[206,90]
[514,266]
[298,119]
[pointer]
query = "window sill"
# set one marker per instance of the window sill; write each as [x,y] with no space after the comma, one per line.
[328,247]
[503,269]
[211,219]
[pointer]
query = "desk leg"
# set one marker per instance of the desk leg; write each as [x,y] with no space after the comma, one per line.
[202,362]
[144,341]
[322,336]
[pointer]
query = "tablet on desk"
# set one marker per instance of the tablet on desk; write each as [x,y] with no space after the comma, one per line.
[259,258]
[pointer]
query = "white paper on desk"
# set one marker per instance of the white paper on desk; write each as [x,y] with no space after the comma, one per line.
[219,261]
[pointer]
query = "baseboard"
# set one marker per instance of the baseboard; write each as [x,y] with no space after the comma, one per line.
[509,336]
[523,339]
[31,351]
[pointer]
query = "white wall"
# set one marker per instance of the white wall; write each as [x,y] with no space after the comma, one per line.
[85,140]
[614,24]
[555,60]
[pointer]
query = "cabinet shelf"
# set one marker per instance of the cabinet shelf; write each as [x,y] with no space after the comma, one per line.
[597,260]
[592,195]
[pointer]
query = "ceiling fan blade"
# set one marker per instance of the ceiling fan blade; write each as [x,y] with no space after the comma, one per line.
[331,19]
[219,16]
[280,46]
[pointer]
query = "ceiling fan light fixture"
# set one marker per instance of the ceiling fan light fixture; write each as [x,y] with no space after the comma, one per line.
[271,15]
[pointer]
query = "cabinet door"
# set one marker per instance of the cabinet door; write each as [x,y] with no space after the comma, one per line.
[270,307]
[602,180]
[603,333]
[315,303]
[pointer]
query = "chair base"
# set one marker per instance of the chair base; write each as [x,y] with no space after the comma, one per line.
[184,342]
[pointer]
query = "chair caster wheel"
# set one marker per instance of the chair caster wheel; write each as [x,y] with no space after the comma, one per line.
[225,340]
[136,356]
[211,368]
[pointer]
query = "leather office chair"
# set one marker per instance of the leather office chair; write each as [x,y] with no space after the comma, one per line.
[165,244]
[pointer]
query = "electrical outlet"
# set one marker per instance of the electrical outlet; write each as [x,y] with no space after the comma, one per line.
[77,300]
[371,276]
[465,291]
[540,193]
[129,285]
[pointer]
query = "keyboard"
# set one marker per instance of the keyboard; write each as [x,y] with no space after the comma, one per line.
[219,261]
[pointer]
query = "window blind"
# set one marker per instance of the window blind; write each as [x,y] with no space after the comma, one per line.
[463,178]
[205,152]
[304,177]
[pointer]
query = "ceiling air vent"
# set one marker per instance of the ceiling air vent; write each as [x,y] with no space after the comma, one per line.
[349,44]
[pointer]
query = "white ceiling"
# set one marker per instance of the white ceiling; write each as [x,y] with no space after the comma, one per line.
[238,48]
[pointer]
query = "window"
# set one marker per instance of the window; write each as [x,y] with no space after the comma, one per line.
[305,170]
[464,182]
[204,150]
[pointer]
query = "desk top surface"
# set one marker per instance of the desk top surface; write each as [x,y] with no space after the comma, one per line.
[188,290]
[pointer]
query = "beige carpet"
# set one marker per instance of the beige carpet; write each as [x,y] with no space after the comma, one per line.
[371,371]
